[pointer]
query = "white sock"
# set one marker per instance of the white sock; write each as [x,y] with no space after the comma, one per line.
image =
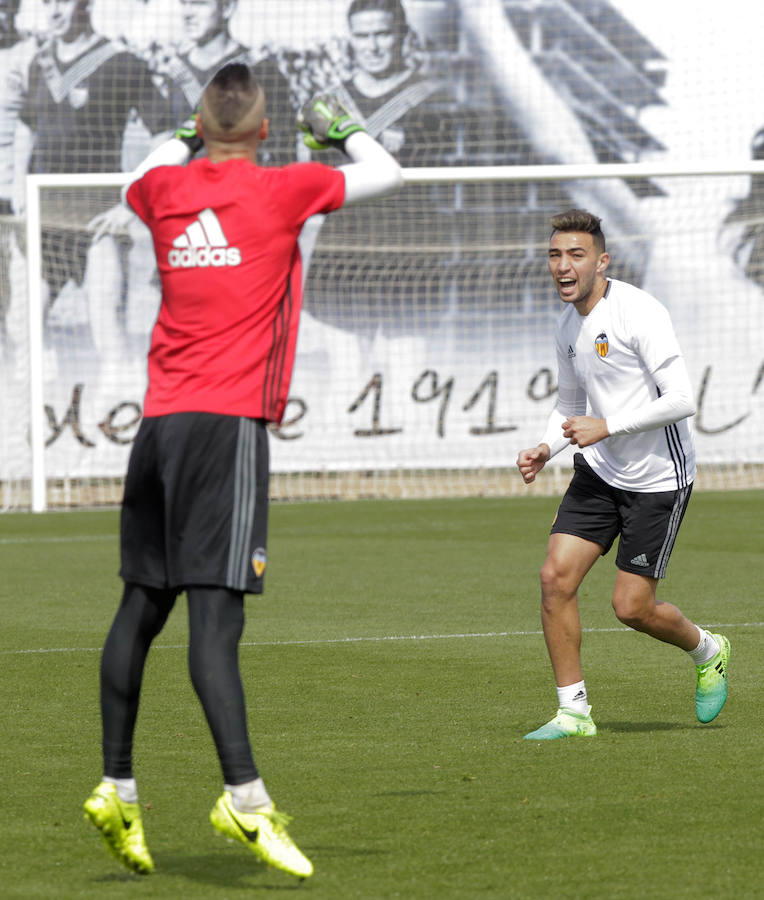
[127,789]
[706,650]
[250,796]
[573,696]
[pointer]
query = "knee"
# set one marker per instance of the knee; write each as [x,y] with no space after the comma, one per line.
[556,583]
[631,612]
[147,607]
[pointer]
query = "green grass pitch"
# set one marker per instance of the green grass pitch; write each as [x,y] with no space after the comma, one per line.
[392,668]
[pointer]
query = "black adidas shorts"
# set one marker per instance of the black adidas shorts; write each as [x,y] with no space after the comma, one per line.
[195,509]
[648,523]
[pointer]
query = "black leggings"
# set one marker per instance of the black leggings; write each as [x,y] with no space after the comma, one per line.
[216,621]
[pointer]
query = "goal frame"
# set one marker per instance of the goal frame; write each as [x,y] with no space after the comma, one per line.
[419,175]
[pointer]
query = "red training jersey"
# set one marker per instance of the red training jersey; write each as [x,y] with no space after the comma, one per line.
[225,237]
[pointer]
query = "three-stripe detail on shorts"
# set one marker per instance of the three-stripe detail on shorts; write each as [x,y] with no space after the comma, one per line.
[675,520]
[244,503]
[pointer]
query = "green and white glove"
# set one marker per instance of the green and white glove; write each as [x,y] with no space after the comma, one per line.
[187,133]
[326,123]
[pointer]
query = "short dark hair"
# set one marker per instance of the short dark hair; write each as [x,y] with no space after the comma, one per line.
[231,94]
[394,7]
[580,220]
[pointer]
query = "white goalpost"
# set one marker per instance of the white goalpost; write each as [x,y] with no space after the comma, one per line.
[35,184]
[425,358]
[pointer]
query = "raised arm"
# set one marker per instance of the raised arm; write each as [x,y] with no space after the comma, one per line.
[176,151]
[372,172]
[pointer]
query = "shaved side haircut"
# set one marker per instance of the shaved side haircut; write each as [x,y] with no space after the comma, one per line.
[580,220]
[233,104]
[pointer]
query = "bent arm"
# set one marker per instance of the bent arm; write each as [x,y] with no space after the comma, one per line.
[170,153]
[675,402]
[571,401]
[554,436]
[372,172]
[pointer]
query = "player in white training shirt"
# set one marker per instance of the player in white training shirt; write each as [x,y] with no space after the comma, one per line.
[624,398]
[625,359]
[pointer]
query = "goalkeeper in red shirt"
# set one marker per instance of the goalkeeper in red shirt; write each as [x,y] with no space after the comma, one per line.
[194,515]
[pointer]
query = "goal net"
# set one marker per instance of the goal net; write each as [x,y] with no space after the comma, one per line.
[425,358]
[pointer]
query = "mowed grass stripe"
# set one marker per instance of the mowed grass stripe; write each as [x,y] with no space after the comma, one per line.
[393,736]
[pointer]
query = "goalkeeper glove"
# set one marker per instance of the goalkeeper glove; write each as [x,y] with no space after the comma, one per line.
[326,123]
[187,133]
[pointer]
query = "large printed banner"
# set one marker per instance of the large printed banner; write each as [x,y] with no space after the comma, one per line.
[404,403]
[426,340]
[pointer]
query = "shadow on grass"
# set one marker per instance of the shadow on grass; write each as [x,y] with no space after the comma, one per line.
[653,726]
[240,871]
[225,871]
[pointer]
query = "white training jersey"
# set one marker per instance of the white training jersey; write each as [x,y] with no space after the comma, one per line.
[611,355]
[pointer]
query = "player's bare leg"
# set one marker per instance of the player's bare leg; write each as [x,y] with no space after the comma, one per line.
[568,560]
[636,605]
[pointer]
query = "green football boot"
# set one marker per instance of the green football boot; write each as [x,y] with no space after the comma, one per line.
[711,688]
[264,833]
[121,827]
[566,723]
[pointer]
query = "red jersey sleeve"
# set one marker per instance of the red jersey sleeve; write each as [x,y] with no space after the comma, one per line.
[311,188]
[136,199]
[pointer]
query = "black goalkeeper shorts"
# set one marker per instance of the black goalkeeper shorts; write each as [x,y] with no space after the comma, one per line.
[195,509]
[648,523]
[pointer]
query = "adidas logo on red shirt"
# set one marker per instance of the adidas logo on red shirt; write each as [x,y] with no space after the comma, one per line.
[203,244]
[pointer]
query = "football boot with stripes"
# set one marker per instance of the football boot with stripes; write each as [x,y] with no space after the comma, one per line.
[263,832]
[711,687]
[121,827]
